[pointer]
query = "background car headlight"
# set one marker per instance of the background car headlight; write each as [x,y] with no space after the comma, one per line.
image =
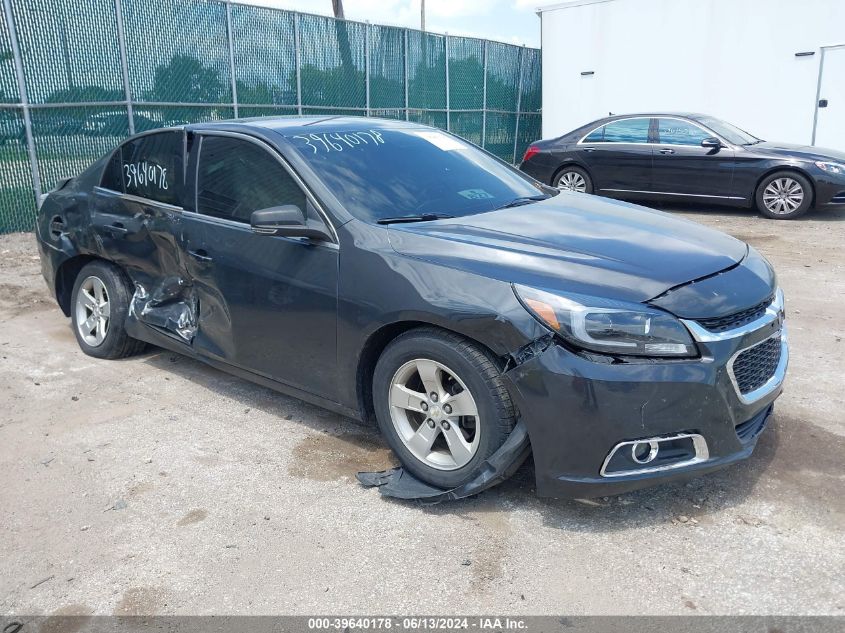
[831,168]
[609,327]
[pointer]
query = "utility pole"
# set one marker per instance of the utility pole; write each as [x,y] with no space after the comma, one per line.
[422,15]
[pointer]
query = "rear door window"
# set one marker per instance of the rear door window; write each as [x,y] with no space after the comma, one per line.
[678,132]
[627,131]
[237,177]
[150,166]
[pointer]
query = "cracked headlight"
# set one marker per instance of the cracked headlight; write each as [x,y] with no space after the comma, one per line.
[831,168]
[607,326]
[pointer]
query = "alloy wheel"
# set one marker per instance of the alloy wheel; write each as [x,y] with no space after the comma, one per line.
[783,195]
[93,311]
[434,414]
[572,181]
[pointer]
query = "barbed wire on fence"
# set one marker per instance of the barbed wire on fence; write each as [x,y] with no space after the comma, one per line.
[76,78]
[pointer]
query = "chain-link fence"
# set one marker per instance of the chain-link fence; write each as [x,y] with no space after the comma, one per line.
[77,77]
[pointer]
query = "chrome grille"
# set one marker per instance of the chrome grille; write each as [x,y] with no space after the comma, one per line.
[737,319]
[753,367]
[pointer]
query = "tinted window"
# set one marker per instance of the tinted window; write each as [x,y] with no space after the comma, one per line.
[237,177]
[627,131]
[730,133]
[390,172]
[596,136]
[149,166]
[677,132]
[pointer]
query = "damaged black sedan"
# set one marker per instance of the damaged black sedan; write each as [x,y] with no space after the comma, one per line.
[396,273]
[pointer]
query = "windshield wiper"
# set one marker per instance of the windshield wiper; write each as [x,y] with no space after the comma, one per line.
[518,202]
[759,140]
[423,217]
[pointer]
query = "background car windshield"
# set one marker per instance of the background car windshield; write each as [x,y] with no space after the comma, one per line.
[730,133]
[386,173]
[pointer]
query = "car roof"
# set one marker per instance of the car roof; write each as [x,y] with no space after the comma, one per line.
[296,124]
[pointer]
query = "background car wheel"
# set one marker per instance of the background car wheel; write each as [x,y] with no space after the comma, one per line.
[784,195]
[441,404]
[573,179]
[100,303]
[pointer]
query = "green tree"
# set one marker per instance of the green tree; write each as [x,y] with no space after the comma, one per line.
[186,80]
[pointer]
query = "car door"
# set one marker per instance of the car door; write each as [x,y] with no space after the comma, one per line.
[618,155]
[682,166]
[135,214]
[267,303]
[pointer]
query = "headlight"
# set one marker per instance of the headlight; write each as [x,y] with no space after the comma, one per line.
[609,327]
[831,168]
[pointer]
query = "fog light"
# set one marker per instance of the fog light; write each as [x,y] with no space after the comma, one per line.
[644,452]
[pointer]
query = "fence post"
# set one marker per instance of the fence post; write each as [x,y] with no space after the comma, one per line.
[124,65]
[367,63]
[27,121]
[448,111]
[298,63]
[230,37]
[407,104]
[484,101]
[518,102]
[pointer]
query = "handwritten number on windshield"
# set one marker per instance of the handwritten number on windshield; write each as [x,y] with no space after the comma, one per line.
[337,141]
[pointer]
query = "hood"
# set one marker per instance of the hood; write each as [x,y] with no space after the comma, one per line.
[575,243]
[802,152]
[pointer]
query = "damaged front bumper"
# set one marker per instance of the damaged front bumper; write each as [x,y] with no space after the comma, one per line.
[600,427]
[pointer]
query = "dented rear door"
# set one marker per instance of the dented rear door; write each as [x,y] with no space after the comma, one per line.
[136,218]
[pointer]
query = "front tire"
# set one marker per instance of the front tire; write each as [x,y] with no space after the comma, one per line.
[441,404]
[573,178]
[99,307]
[784,195]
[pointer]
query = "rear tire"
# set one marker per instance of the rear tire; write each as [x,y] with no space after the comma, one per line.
[441,404]
[784,195]
[572,178]
[99,307]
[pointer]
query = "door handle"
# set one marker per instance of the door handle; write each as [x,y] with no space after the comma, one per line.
[589,149]
[200,255]
[666,150]
[118,227]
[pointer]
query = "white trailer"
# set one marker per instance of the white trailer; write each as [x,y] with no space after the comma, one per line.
[773,67]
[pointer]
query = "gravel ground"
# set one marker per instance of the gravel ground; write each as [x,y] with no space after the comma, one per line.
[159,485]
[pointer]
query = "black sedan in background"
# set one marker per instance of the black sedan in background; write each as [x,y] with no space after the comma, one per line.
[395,273]
[689,157]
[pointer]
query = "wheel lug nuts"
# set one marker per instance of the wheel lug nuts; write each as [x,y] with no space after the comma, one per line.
[447,408]
[445,425]
[430,423]
[433,397]
[424,406]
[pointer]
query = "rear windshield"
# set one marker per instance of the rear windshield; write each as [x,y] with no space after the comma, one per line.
[385,173]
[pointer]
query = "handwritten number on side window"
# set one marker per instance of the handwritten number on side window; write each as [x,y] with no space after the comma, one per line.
[144,173]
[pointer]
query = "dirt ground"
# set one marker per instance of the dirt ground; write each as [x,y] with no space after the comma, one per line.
[159,485]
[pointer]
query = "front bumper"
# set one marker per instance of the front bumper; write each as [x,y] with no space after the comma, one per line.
[578,410]
[829,190]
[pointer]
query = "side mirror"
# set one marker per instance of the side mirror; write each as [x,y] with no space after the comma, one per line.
[287,220]
[711,143]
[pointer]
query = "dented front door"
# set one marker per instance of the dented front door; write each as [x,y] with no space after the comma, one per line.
[267,304]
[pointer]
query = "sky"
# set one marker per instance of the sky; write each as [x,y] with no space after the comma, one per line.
[511,21]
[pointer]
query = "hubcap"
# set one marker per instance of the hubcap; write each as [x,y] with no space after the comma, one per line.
[434,414]
[92,311]
[783,195]
[572,181]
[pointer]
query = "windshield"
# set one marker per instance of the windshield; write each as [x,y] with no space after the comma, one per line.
[388,173]
[730,133]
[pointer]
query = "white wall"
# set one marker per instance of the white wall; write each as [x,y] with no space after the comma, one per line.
[734,59]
